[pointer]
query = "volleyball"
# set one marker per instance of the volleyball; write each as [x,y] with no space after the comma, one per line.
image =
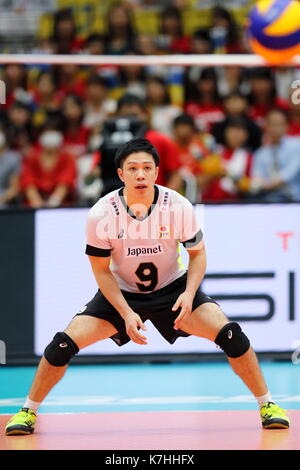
[274,30]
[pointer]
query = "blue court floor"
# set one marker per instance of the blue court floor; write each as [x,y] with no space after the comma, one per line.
[150,387]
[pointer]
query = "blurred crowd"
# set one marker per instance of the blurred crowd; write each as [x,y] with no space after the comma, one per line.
[224,134]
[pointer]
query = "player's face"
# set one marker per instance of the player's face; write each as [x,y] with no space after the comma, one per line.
[139,173]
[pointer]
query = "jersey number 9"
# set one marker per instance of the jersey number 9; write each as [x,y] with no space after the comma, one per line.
[147,272]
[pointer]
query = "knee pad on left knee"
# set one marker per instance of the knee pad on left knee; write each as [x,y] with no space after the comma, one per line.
[232,340]
[61,350]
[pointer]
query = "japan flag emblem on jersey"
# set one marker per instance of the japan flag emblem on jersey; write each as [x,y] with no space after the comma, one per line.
[164,231]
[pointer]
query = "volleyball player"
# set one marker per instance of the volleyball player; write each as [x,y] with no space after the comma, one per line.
[133,234]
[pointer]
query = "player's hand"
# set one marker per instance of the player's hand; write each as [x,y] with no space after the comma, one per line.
[133,323]
[185,301]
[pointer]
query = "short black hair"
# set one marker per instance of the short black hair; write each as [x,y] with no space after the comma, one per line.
[203,34]
[129,99]
[264,73]
[94,37]
[277,110]
[134,146]
[96,80]
[234,94]
[185,119]
[237,122]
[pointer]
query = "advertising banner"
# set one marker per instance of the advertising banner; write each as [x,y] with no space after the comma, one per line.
[253,272]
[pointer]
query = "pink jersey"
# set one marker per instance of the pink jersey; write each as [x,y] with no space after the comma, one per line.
[144,253]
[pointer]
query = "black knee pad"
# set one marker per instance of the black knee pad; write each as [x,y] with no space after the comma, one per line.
[232,340]
[61,350]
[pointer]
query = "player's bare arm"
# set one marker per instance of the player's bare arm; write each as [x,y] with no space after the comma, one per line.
[195,275]
[110,289]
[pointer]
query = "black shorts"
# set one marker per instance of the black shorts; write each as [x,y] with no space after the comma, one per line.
[155,306]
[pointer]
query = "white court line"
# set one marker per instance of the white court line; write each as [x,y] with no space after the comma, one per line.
[161,400]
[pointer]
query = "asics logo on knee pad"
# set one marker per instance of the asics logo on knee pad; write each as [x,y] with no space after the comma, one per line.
[232,340]
[61,350]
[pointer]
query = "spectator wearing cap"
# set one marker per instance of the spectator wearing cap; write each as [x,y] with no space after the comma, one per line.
[48,175]
[9,173]
[276,167]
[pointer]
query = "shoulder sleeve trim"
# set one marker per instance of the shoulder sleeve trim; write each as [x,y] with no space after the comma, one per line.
[100,252]
[194,241]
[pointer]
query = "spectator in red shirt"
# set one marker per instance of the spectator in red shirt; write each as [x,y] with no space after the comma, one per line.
[68,80]
[192,147]
[48,175]
[168,175]
[263,96]
[64,37]
[45,92]
[294,119]
[172,38]
[47,100]
[15,79]
[204,103]
[75,133]
[227,179]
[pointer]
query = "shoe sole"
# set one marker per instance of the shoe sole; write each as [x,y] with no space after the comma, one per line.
[276,423]
[15,431]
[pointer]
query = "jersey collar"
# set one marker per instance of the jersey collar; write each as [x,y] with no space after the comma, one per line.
[121,195]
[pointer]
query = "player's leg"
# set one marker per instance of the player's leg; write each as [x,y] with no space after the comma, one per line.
[80,333]
[208,321]
[83,331]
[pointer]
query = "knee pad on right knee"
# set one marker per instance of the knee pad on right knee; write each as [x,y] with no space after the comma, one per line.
[61,350]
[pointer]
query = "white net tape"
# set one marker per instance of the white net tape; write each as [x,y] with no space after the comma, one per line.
[245,60]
